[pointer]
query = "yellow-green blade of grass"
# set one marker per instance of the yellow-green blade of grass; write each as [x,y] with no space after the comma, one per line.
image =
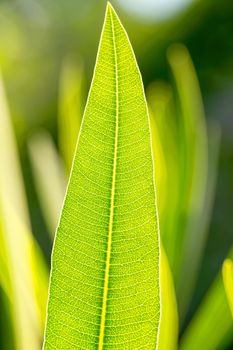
[17,242]
[169,324]
[212,326]
[104,286]
[164,135]
[198,241]
[227,274]
[193,151]
[49,177]
[159,164]
[168,335]
[11,182]
[6,327]
[70,109]
[21,292]
[40,279]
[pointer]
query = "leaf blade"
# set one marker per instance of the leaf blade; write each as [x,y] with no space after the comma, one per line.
[227,274]
[18,247]
[169,325]
[49,177]
[113,201]
[69,108]
[212,321]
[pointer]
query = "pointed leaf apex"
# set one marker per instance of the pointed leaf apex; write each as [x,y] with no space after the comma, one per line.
[109,6]
[110,9]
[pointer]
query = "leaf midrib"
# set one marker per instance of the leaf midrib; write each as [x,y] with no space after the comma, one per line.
[111,217]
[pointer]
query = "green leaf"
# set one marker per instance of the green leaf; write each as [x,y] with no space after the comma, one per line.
[185,198]
[212,326]
[168,335]
[159,164]
[11,181]
[164,138]
[188,195]
[19,248]
[193,156]
[198,236]
[104,287]
[49,177]
[227,273]
[212,321]
[70,107]
[6,327]
[18,276]
[169,328]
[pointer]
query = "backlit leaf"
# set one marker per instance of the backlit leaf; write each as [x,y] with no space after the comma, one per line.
[227,273]
[70,107]
[164,138]
[193,156]
[104,288]
[169,328]
[185,196]
[212,321]
[18,248]
[49,177]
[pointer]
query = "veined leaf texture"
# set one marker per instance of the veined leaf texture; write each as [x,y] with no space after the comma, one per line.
[104,285]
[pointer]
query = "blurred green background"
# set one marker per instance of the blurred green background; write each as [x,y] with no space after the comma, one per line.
[39,37]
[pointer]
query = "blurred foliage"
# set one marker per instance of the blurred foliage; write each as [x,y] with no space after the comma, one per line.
[227,274]
[169,323]
[187,204]
[47,53]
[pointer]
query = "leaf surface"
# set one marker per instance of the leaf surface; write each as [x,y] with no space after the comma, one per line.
[104,287]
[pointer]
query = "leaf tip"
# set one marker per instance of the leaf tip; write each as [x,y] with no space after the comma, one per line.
[109,6]
[110,9]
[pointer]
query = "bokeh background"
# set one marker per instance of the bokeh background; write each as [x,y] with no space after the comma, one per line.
[48,48]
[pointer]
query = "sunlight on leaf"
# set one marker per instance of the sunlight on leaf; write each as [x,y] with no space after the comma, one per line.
[70,109]
[212,321]
[185,196]
[40,278]
[160,164]
[11,182]
[49,177]
[193,152]
[164,133]
[17,243]
[18,247]
[199,241]
[104,289]
[168,334]
[227,273]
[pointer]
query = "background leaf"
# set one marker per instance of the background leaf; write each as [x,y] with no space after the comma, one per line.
[212,321]
[185,195]
[70,109]
[227,273]
[18,248]
[193,152]
[169,323]
[49,177]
